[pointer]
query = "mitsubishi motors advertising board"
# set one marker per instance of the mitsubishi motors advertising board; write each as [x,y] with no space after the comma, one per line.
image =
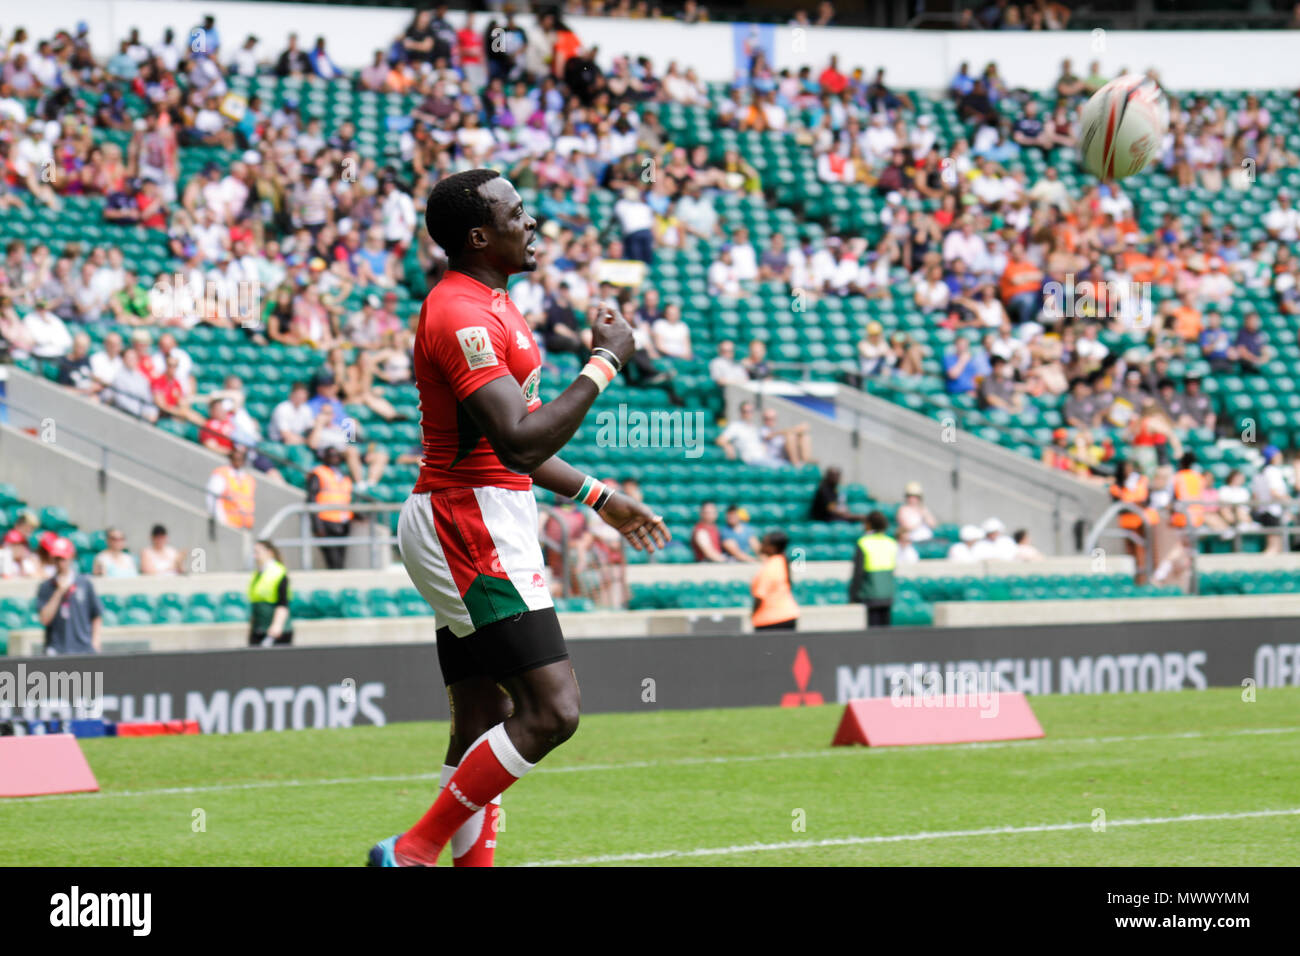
[295,688]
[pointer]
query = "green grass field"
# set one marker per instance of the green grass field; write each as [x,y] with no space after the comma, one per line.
[720,788]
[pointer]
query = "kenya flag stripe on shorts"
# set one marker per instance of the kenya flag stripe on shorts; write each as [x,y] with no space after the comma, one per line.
[473,554]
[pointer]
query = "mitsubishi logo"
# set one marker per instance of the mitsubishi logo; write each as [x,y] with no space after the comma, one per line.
[802,670]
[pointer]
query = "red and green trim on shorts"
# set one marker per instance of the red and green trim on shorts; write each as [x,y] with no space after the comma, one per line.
[487,592]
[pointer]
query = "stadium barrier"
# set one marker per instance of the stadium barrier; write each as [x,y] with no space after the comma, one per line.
[297,688]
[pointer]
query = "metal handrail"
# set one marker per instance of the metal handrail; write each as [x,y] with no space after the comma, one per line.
[1286,531]
[105,453]
[105,450]
[374,540]
[1102,528]
[306,540]
[1035,482]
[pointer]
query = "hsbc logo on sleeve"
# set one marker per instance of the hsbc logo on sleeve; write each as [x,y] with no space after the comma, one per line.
[477,346]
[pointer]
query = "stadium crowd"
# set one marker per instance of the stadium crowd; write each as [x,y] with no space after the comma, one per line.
[304,217]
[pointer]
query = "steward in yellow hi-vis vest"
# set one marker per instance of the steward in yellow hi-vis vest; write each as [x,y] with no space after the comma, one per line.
[874,560]
[268,599]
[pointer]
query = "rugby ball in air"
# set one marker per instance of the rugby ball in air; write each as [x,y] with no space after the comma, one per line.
[1123,127]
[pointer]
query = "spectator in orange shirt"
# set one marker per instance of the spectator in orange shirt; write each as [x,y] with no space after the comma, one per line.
[1021,287]
[1186,320]
[774,605]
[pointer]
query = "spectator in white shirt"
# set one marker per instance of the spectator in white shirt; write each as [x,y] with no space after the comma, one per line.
[1051,190]
[992,185]
[131,390]
[1088,346]
[1283,220]
[398,214]
[743,439]
[110,276]
[31,158]
[985,307]
[913,516]
[965,244]
[932,293]
[90,299]
[1112,201]
[210,236]
[672,336]
[528,295]
[50,336]
[922,136]
[1025,551]
[696,212]
[105,365]
[724,369]
[907,553]
[848,267]
[723,279]
[476,142]
[879,141]
[743,255]
[244,62]
[773,112]
[1272,496]
[996,545]
[636,225]
[292,419]
[821,267]
[961,551]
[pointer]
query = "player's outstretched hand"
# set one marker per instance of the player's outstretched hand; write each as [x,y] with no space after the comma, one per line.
[643,529]
[609,330]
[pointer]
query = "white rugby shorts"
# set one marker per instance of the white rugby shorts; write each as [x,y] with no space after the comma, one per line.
[474,555]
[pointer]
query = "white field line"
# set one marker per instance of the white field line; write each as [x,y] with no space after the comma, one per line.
[657,764]
[904,838]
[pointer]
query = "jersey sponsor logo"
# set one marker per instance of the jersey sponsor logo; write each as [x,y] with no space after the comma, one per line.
[496,562]
[477,346]
[531,384]
[539,581]
[522,340]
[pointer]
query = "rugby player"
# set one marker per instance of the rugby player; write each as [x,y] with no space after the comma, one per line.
[469,530]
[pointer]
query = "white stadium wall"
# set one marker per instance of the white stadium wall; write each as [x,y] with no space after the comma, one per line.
[1228,60]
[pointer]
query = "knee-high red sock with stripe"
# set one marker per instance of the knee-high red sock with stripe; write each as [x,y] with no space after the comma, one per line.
[474,844]
[490,766]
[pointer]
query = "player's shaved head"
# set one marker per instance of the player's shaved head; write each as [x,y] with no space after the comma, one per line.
[457,205]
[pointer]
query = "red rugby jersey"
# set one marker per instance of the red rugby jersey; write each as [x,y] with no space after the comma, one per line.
[468,335]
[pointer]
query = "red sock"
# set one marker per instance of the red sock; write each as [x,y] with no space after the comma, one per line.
[490,765]
[474,844]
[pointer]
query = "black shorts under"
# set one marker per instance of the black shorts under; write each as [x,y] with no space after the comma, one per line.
[503,649]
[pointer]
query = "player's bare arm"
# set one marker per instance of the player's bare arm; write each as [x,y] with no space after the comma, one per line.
[642,528]
[523,440]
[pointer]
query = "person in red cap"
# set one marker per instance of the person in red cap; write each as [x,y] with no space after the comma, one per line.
[68,606]
[16,558]
[47,563]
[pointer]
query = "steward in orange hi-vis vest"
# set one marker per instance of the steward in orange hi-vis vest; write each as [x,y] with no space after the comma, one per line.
[1189,485]
[335,489]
